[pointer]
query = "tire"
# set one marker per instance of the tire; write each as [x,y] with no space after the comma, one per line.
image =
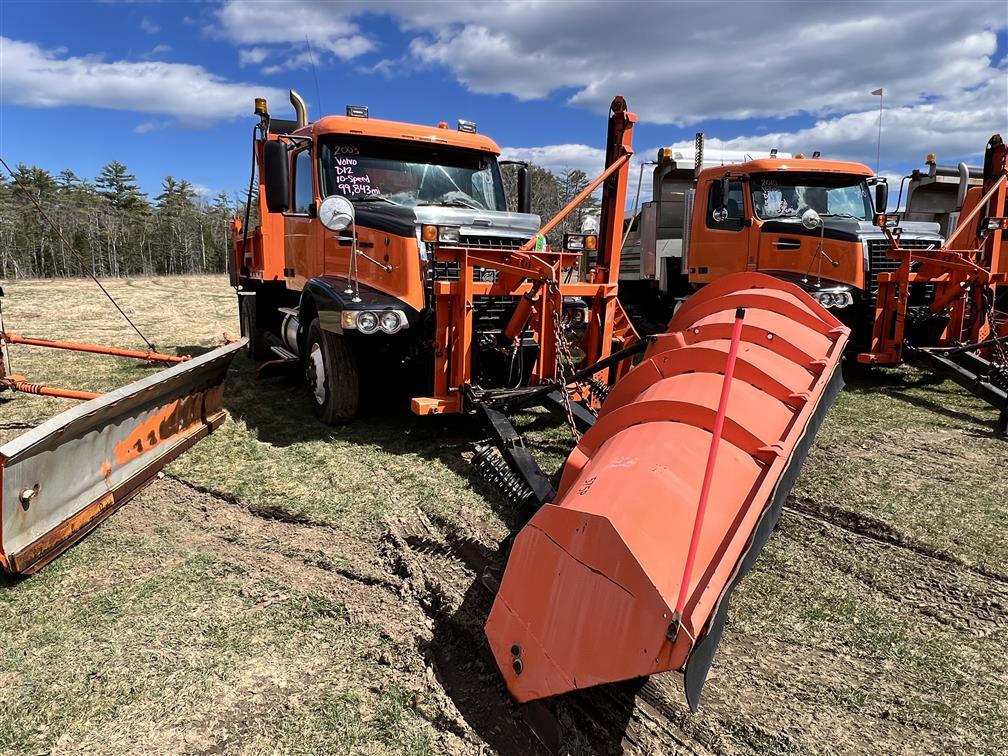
[332,376]
[257,349]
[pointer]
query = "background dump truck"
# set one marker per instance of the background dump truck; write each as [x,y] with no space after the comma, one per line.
[391,244]
[937,193]
[705,222]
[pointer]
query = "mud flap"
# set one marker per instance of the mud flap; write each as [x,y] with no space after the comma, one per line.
[699,663]
[61,479]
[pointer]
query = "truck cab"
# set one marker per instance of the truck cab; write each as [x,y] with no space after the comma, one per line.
[805,220]
[336,299]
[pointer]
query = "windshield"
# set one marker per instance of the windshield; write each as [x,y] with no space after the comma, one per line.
[788,195]
[369,170]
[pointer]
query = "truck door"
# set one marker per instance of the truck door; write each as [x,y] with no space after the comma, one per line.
[718,246]
[299,248]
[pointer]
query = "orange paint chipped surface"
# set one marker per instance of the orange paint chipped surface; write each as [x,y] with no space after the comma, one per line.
[161,426]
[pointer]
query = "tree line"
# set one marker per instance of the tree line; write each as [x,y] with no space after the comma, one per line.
[114,228]
[117,230]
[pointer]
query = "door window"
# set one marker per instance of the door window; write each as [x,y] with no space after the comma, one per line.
[734,206]
[303,188]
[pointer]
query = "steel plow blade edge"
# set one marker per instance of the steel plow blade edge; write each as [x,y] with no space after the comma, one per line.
[61,479]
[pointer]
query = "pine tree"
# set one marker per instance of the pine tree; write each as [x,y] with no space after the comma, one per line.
[119,187]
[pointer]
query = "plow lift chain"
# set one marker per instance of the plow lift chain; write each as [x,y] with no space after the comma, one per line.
[565,371]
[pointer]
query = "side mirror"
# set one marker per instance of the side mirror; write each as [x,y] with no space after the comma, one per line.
[524,189]
[810,219]
[719,197]
[881,197]
[275,172]
[336,212]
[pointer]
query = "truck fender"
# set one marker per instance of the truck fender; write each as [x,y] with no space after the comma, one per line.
[330,298]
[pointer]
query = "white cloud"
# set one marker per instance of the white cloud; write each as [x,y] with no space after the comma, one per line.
[156,51]
[145,127]
[252,56]
[560,158]
[301,59]
[690,63]
[956,128]
[34,77]
[687,62]
[287,26]
[149,26]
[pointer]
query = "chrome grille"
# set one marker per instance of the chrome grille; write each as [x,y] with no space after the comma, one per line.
[493,313]
[491,242]
[449,271]
[880,262]
[489,313]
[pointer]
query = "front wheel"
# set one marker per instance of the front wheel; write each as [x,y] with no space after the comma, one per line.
[331,372]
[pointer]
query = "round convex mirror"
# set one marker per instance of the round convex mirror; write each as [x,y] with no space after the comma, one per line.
[336,213]
[810,219]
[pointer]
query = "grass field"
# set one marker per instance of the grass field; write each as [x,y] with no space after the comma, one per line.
[289,587]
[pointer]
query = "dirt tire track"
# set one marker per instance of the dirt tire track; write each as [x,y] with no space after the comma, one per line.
[443,567]
[946,592]
[867,526]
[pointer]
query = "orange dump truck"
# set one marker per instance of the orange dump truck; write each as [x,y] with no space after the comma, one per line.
[804,220]
[388,243]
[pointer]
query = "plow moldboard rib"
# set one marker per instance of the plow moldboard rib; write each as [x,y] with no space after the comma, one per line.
[61,479]
[590,588]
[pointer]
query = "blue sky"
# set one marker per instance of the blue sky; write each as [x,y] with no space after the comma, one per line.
[83,83]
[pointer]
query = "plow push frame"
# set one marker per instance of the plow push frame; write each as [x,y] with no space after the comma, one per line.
[534,274]
[969,279]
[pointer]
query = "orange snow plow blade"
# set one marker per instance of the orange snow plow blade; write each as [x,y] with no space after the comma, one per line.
[60,480]
[592,583]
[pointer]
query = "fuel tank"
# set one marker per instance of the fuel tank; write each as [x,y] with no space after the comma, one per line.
[590,589]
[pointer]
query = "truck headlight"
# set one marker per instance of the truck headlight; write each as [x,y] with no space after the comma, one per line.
[448,235]
[575,312]
[367,322]
[389,321]
[580,242]
[835,300]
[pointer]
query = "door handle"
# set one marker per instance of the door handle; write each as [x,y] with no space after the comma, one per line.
[788,244]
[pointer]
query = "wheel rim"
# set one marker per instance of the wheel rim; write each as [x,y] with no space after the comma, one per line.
[316,373]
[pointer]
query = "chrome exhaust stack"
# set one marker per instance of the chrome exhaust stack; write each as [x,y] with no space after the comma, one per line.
[300,109]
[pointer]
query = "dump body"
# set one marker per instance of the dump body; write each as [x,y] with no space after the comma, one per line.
[591,583]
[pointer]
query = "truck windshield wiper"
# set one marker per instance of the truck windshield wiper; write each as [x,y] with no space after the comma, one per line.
[375,198]
[840,215]
[451,203]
